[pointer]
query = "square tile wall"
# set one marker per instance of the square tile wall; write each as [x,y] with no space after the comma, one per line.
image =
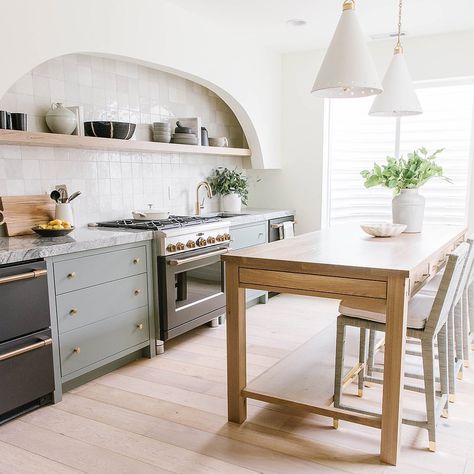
[113,183]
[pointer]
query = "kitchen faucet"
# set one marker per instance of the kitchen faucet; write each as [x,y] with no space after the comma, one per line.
[200,204]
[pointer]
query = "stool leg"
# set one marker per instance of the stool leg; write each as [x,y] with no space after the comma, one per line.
[470,309]
[427,349]
[443,367]
[362,360]
[339,376]
[451,358]
[371,355]
[465,328]
[458,338]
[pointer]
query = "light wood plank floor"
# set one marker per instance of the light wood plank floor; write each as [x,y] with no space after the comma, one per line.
[168,414]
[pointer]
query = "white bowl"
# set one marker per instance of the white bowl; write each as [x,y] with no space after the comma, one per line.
[383,229]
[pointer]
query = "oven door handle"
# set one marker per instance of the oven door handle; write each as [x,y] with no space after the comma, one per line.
[23,350]
[23,276]
[182,261]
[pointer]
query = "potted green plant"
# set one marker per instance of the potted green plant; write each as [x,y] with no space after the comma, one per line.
[231,186]
[405,177]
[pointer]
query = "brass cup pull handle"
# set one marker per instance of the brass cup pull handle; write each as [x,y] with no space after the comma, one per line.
[77,350]
[136,261]
[71,275]
[73,312]
[140,326]
[137,291]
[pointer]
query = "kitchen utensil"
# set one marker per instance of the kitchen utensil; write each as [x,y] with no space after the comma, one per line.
[204,137]
[74,196]
[21,213]
[219,141]
[52,232]
[383,229]
[55,195]
[19,121]
[181,129]
[119,130]
[63,211]
[62,188]
[59,119]
[150,214]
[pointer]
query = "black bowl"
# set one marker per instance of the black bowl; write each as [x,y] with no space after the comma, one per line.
[52,232]
[120,130]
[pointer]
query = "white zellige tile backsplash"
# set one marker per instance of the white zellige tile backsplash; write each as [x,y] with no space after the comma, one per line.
[113,183]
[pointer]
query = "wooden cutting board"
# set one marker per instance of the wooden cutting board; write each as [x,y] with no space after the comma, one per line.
[21,213]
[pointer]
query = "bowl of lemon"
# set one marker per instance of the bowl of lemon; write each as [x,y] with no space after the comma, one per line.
[56,228]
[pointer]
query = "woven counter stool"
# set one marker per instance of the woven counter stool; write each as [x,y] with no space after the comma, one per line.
[427,321]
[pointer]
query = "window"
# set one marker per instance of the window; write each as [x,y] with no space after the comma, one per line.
[356,141]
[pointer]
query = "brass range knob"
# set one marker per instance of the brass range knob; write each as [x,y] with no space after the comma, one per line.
[211,240]
[201,242]
[220,238]
[171,248]
[226,236]
[180,246]
[191,244]
[71,275]
[73,312]
[77,350]
[137,291]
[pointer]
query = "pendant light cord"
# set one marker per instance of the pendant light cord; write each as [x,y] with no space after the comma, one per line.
[398,47]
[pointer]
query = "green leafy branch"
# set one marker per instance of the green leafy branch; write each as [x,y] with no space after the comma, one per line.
[225,181]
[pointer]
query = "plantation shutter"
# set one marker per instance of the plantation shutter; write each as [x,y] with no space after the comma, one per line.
[357,140]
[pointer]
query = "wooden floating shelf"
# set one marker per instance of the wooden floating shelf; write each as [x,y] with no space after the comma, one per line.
[14,137]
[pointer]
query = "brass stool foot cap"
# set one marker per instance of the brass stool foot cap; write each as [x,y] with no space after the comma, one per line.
[444,413]
[432,446]
[452,398]
[466,364]
[335,424]
[360,393]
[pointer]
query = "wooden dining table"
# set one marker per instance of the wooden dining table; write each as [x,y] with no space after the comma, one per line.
[339,262]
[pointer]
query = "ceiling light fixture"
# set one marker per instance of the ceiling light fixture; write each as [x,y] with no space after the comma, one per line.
[347,70]
[296,22]
[399,97]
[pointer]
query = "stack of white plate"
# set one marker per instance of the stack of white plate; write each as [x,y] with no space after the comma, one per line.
[161,132]
[184,138]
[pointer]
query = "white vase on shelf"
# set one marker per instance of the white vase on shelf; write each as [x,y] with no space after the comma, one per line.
[231,203]
[408,208]
[60,119]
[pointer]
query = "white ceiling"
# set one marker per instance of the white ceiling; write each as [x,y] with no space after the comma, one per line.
[265,20]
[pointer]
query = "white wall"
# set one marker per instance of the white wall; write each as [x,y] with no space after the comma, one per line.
[157,33]
[299,183]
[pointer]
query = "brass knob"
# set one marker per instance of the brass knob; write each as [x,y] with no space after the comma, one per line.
[77,350]
[180,246]
[201,242]
[171,248]
[211,240]
[191,244]
[140,326]
[220,238]
[226,236]
[137,291]
[73,312]
[71,275]
[136,261]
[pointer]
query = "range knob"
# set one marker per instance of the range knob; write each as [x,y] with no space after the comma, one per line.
[211,240]
[191,244]
[180,246]
[201,242]
[171,248]
[226,236]
[220,238]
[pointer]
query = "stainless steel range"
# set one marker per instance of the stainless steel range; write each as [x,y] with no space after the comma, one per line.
[190,271]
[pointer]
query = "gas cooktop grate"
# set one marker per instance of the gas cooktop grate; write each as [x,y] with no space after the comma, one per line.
[171,223]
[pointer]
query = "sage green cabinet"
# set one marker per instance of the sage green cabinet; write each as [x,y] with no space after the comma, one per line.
[102,302]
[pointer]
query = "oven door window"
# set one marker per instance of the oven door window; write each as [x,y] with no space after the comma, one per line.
[198,285]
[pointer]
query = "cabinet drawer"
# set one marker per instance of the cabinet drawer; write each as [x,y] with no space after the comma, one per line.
[82,272]
[95,342]
[249,235]
[78,308]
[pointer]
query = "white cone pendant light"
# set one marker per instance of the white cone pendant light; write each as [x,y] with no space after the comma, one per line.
[399,98]
[347,70]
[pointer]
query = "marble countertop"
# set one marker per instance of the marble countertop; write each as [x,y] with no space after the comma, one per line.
[30,247]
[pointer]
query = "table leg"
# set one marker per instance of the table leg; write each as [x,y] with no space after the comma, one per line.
[236,346]
[397,301]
